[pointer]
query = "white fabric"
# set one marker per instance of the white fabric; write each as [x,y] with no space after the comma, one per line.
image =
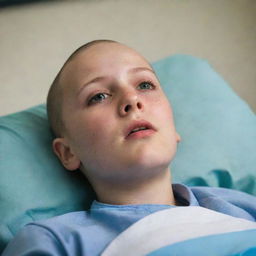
[171,226]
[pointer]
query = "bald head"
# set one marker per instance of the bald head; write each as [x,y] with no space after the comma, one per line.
[78,66]
[55,94]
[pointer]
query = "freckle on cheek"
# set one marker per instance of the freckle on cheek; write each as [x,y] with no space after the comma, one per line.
[93,136]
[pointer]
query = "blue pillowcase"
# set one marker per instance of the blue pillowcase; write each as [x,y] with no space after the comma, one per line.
[218,128]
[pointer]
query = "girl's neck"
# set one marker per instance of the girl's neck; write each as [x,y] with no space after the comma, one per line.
[157,190]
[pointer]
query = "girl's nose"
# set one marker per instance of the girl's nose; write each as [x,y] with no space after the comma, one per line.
[130,103]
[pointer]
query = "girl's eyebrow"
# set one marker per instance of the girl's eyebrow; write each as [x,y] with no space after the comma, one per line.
[94,80]
[137,69]
[101,78]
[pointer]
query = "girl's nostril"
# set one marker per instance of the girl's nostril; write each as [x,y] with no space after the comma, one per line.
[126,109]
[139,105]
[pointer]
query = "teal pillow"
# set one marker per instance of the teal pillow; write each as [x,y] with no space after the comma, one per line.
[218,128]
[218,148]
[33,183]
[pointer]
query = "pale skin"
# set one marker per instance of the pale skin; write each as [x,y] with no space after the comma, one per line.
[121,171]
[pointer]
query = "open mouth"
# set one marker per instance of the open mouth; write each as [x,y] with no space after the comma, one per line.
[139,129]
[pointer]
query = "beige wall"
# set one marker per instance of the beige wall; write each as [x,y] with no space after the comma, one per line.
[36,39]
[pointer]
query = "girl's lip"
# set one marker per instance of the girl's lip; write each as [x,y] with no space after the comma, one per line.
[137,124]
[141,134]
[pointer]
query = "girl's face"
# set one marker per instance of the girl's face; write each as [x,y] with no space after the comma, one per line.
[108,88]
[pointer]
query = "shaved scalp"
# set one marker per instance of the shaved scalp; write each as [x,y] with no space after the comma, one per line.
[55,94]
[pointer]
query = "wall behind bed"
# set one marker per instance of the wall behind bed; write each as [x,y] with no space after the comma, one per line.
[36,38]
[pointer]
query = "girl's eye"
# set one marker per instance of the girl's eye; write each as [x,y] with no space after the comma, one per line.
[98,98]
[146,85]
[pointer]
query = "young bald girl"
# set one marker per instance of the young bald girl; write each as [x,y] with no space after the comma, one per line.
[113,121]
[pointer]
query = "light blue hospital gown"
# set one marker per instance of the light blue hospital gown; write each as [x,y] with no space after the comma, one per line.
[89,232]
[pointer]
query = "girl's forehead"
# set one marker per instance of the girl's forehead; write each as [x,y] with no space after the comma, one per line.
[103,59]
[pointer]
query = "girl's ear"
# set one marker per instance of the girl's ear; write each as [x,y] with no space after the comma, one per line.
[178,138]
[64,152]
